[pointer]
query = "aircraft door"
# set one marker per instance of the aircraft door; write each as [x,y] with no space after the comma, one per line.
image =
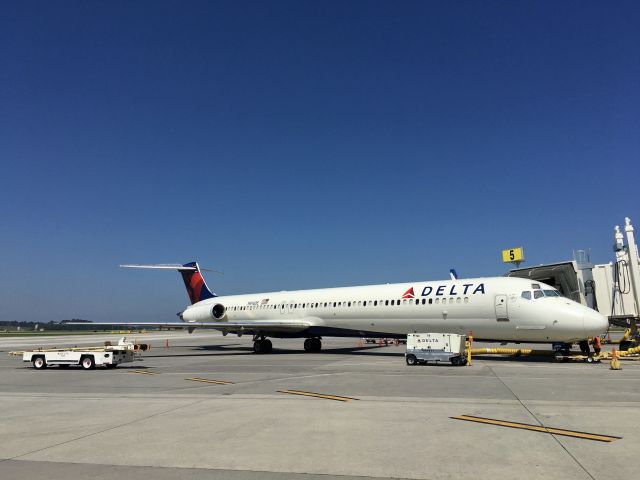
[502,315]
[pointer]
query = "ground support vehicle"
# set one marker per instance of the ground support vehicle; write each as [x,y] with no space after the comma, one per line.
[436,348]
[576,357]
[88,357]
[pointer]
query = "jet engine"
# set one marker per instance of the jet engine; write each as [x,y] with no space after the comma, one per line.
[218,311]
[201,313]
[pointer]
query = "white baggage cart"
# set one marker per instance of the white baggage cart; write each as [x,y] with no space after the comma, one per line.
[88,357]
[435,347]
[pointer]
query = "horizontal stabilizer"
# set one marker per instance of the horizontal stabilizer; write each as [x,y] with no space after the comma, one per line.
[162,266]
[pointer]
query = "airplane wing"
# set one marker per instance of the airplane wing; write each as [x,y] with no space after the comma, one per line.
[248,327]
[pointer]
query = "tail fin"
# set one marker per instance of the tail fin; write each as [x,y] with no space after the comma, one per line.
[193,280]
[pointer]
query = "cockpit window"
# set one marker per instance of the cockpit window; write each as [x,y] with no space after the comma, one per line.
[535,286]
[538,294]
[551,293]
[526,294]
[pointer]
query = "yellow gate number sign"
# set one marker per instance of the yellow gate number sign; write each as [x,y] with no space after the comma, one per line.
[513,255]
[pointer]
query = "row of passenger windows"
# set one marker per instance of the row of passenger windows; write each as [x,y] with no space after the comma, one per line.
[360,303]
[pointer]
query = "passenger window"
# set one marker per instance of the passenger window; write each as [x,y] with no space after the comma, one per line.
[444,301]
[364,304]
[437,301]
[375,303]
[526,294]
[360,304]
[334,304]
[349,303]
[538,294]
[386,302]
[430,301]
[458,300]
[417,301]
[466,299]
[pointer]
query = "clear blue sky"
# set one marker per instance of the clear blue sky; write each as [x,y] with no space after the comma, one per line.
[304,144]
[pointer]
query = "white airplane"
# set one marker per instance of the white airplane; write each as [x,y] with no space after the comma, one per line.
[504,309]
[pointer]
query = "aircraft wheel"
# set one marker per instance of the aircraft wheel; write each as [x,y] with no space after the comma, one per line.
[257,346]
[39,363]
[411,360]
[316,344]
[308,346]
[455,361]
[267,345]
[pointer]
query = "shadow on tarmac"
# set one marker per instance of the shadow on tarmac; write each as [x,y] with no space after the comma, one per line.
[235,350]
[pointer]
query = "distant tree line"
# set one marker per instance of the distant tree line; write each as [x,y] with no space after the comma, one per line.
[13,326]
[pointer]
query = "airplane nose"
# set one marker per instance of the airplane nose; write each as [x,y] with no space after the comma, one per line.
[594,323]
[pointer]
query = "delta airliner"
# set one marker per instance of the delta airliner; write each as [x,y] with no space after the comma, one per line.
[503,309]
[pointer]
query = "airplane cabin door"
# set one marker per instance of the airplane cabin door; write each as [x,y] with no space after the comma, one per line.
[502,315]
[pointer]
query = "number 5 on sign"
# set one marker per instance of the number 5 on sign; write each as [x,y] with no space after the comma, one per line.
[513,255]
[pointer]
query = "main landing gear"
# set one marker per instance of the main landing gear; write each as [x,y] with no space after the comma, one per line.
[312,344]
[261,344]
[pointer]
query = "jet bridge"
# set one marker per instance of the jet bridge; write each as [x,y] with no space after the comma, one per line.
[613,288]
[567,277]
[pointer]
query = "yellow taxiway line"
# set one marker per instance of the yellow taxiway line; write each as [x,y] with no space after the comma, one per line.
[537,428]
[144,372]
[318,395]
[208,380]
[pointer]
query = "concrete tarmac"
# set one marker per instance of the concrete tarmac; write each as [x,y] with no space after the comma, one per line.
[106,424]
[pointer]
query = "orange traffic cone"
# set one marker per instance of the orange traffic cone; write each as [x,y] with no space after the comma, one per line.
[615,362]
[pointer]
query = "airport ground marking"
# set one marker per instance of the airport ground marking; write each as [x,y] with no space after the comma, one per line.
[339,398]
[537,428]
[144,372]
[209,380]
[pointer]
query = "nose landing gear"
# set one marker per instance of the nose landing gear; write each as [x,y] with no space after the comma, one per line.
[312,344]
[262,344]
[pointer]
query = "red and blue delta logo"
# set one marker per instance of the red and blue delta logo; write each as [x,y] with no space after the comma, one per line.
[409,294]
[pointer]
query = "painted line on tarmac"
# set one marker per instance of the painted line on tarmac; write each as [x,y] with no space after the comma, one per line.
[536,428]
[144,372]
[318,395]
[209,380]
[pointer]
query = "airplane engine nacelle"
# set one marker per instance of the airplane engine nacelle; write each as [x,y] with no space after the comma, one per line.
[218,311]
[203,313]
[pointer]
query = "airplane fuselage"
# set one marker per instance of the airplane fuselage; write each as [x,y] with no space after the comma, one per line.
[493,308]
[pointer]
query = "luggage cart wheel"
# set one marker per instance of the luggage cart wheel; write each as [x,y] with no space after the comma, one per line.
[88,363]
[411,360]
[39,362]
